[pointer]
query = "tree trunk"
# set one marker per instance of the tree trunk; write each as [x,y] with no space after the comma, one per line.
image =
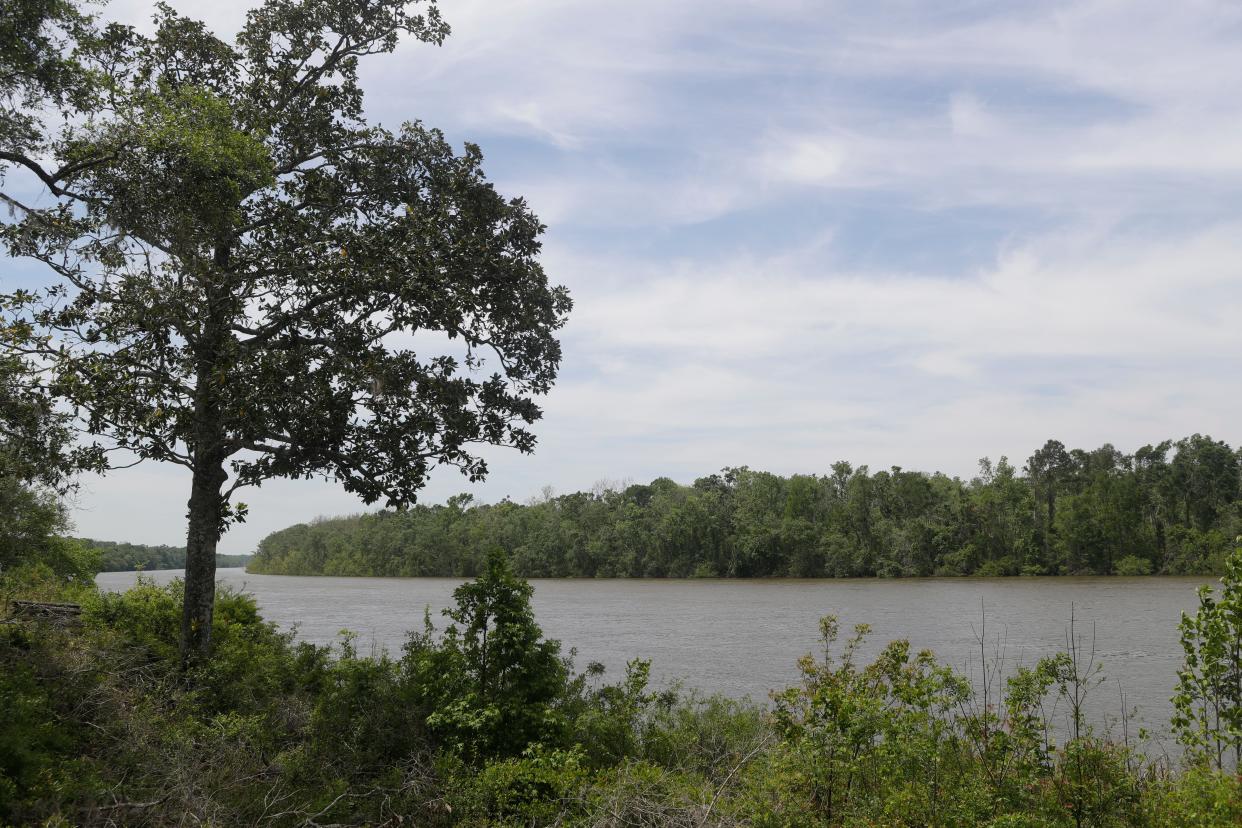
[1052,499]
[205,507]
[1161,545]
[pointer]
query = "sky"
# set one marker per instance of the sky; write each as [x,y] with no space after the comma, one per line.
[894,233]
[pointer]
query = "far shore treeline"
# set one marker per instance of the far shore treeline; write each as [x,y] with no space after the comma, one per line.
[1171,508]
[124,557]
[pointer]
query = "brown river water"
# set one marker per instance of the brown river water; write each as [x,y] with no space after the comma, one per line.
[743,637]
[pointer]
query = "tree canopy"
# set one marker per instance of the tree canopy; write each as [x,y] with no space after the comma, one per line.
[1115,513]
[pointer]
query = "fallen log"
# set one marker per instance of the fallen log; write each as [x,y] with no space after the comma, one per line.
[54,613]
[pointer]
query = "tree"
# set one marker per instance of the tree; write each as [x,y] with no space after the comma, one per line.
[496,680]
[36,442]
[32,525]
[1208,702]
[241,263]
[38,464]
[1206,474]
[1047,468]
[1151,469]
[45,48]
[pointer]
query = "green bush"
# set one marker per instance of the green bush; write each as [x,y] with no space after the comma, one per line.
[1208,701]
[1199,798]
[1005,566]
[1132,565]
[533,789]
[32,743]
[1196,552]
[493,684]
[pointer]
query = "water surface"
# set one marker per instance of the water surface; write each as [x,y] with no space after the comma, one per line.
[743,637]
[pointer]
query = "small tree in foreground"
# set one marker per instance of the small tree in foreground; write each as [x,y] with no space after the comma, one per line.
[252,282]
[495,680]
[1208,701]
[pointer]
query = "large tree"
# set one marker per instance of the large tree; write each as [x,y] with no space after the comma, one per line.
[251,281]
[1047,470]
[1206,474]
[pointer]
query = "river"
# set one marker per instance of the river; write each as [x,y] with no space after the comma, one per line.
[743,637]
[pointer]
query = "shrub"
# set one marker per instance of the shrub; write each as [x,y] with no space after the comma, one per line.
[533,789]
[494,685]
[1199,798]
[1132,565]
[1208,701]
[1195,552]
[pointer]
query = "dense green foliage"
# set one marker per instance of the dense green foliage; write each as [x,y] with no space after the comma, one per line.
[1208,701]
[123,557]
[37,462]
[500,681]
[31,519]
[486,724]
[38,458]
[1170,508]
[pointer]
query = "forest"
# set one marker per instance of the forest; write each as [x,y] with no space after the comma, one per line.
[124,557]
[1168,508]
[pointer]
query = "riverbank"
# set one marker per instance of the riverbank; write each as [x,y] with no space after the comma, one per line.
[274,732]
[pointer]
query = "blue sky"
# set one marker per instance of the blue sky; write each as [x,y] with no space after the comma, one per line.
[894,233]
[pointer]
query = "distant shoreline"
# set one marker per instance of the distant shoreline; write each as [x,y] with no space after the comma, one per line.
[118,556]
[1199,577]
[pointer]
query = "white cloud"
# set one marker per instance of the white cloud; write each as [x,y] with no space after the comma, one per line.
[1048,311]
[803,161]
[757,341]
[969,117]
